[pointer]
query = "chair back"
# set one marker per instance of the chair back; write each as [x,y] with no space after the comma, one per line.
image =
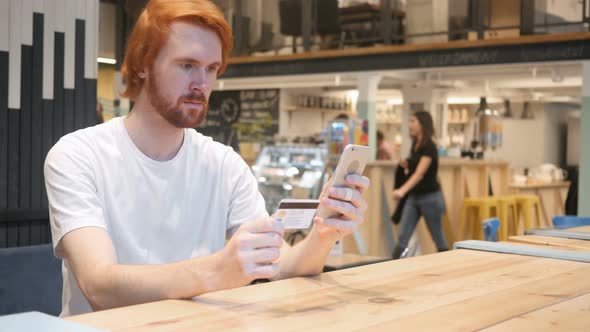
[290,17]
[327,17]
[562,222]
[265,43]
[30,280]
[490,229]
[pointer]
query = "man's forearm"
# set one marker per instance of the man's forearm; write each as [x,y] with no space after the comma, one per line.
[307,257]
[122,285]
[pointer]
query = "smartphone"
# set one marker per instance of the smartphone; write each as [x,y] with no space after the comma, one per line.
[352,161]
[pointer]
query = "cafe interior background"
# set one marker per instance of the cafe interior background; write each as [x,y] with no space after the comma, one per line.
[513,76]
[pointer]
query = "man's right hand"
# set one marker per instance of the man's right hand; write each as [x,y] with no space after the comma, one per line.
[252,253]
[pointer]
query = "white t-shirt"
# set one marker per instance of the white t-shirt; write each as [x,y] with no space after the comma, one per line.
[155,212]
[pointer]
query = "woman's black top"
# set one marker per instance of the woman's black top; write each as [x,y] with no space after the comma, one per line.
[428,183]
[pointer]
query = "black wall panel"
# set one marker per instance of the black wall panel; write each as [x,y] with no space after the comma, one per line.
[90,101]
[13,157]
[25,127]
[58,87]
[79,91]
[28,133]
[3,130]
[37,156]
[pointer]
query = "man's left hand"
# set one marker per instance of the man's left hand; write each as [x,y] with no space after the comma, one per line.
[349,205]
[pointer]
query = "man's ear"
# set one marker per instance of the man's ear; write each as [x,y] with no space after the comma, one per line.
[143,73]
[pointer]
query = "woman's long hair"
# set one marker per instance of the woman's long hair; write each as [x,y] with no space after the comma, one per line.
[425,120]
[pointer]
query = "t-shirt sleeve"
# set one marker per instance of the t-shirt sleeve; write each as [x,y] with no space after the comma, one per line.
[246,203]
[71,191]
[428,151]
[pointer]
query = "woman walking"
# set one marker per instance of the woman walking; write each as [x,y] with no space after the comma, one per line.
[422,188]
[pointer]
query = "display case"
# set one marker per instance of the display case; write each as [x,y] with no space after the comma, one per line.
[289,172]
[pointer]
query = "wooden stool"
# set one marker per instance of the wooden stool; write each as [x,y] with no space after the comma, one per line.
[507,226]
[482,208]
[524,204]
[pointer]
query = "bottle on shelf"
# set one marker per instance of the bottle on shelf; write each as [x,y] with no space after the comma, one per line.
[507,109]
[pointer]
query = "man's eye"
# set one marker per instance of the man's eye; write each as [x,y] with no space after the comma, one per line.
[187,66]
[212,69]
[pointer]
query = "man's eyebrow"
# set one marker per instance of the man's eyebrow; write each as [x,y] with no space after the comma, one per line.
[191,60]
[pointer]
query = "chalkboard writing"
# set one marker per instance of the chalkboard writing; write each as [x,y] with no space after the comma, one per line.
[247,116]
[458,58]
[547,54]
[489,56]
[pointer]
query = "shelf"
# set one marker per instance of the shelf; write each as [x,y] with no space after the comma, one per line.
[316,110]
[389,122]
[458,122]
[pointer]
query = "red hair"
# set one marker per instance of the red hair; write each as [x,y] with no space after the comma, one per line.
[151,31]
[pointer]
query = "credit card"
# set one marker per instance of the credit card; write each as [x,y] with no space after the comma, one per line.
[296,213]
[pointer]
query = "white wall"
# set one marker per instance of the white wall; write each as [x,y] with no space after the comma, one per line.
[569,10]
[532,142]
[523,142]
[427,16]
[107,26]
[556,118]
[303,123]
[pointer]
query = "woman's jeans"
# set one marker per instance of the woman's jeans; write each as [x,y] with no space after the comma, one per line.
[432,207]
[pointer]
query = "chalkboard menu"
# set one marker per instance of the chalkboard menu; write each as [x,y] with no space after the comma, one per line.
[247,116]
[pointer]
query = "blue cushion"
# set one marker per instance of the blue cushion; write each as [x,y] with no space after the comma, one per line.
[490,229]
[562,222]
[30,280]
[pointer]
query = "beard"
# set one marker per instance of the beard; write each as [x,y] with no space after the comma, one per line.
[173,112]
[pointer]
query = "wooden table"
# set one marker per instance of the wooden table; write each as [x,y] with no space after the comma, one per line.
[581,229]
[346,261]
[579,233]
[455,290]
[552,242]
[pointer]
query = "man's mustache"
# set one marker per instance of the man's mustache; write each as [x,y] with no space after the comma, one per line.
[194,98]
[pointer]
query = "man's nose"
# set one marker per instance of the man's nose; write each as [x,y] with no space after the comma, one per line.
[199,80]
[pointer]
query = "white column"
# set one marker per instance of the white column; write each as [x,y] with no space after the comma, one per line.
[584,184]
[440,110]
[122,105]
[368,85]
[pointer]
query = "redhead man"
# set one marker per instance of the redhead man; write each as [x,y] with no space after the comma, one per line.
[142,206]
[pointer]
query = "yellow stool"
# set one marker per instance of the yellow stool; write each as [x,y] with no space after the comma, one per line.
[482,208]
[524,204]
[507,226]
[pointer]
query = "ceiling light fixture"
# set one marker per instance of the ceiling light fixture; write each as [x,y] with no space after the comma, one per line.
[395,101]
[108,61]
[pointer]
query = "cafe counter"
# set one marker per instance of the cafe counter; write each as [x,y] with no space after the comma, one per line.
[459,178]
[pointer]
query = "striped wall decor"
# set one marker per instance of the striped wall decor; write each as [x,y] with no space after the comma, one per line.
[48,72]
